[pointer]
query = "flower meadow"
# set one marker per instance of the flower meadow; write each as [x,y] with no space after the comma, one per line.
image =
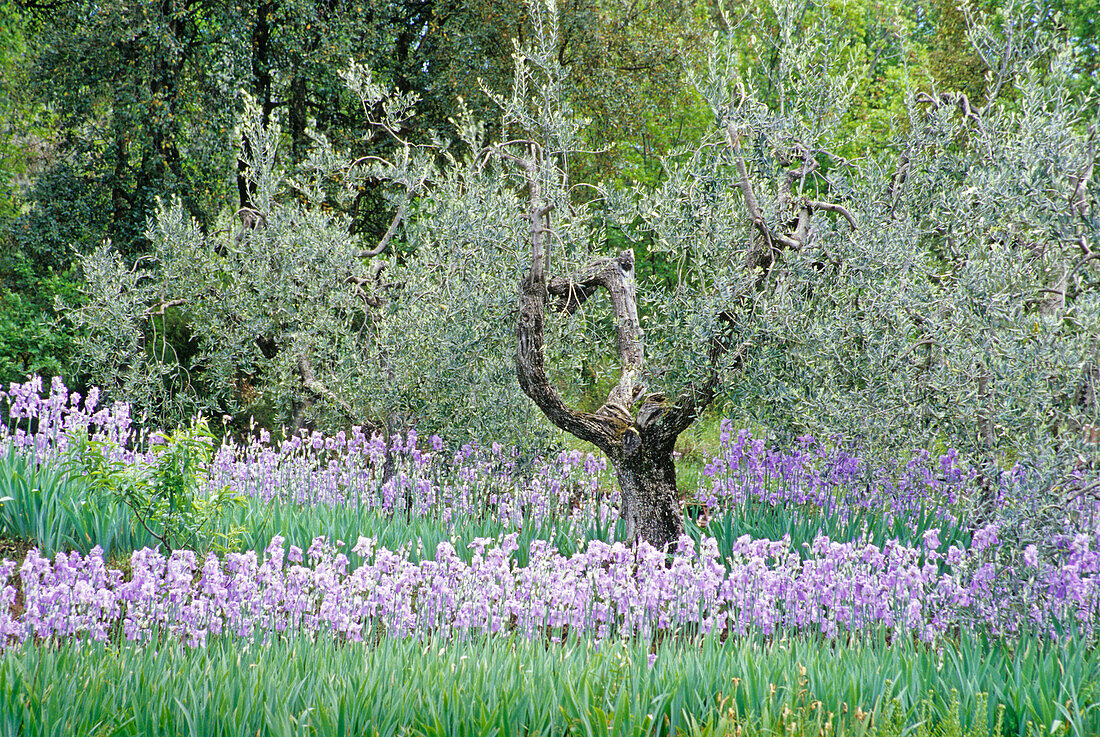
[608,590]
[355,540]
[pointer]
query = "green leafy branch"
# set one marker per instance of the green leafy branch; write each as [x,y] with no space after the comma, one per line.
[168,495]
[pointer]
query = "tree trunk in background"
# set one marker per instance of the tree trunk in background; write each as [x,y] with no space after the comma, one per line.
[262,81]
[298,117]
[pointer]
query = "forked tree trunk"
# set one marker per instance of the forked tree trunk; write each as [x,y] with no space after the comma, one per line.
[637,435]
[639,442]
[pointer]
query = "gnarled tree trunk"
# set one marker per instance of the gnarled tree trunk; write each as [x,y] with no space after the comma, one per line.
[637,434]
[647,477]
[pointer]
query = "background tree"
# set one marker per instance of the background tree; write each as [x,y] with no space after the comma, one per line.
[147,97]
[30,342]
[267,299]
[292,317]
[937,289]
[623,73]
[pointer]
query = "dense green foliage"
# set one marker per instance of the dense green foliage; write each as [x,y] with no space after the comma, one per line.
[958,304]
[108,111]
[59,511]
[168,498]
[963,319]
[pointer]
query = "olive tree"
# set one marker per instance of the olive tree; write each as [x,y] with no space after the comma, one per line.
[281,311]
[942,292]
[638,424]
[261,309]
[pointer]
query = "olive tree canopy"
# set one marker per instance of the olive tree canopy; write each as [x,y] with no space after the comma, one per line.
[941,292]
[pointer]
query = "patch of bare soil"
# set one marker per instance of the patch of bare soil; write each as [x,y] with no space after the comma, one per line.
[15,549]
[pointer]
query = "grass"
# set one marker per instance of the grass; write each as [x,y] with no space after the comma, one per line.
[750,686]
[696,445]
[43,503]
[802,525]
[261,520]
[508,686]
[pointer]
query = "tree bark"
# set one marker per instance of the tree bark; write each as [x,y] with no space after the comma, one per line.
[646,472]
[262,88]
[639,444]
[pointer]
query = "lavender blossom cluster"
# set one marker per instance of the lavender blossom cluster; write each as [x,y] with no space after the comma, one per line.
[833,590]
[830,479]
[43,422]
[348,468]
[766,586]
[571,489]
